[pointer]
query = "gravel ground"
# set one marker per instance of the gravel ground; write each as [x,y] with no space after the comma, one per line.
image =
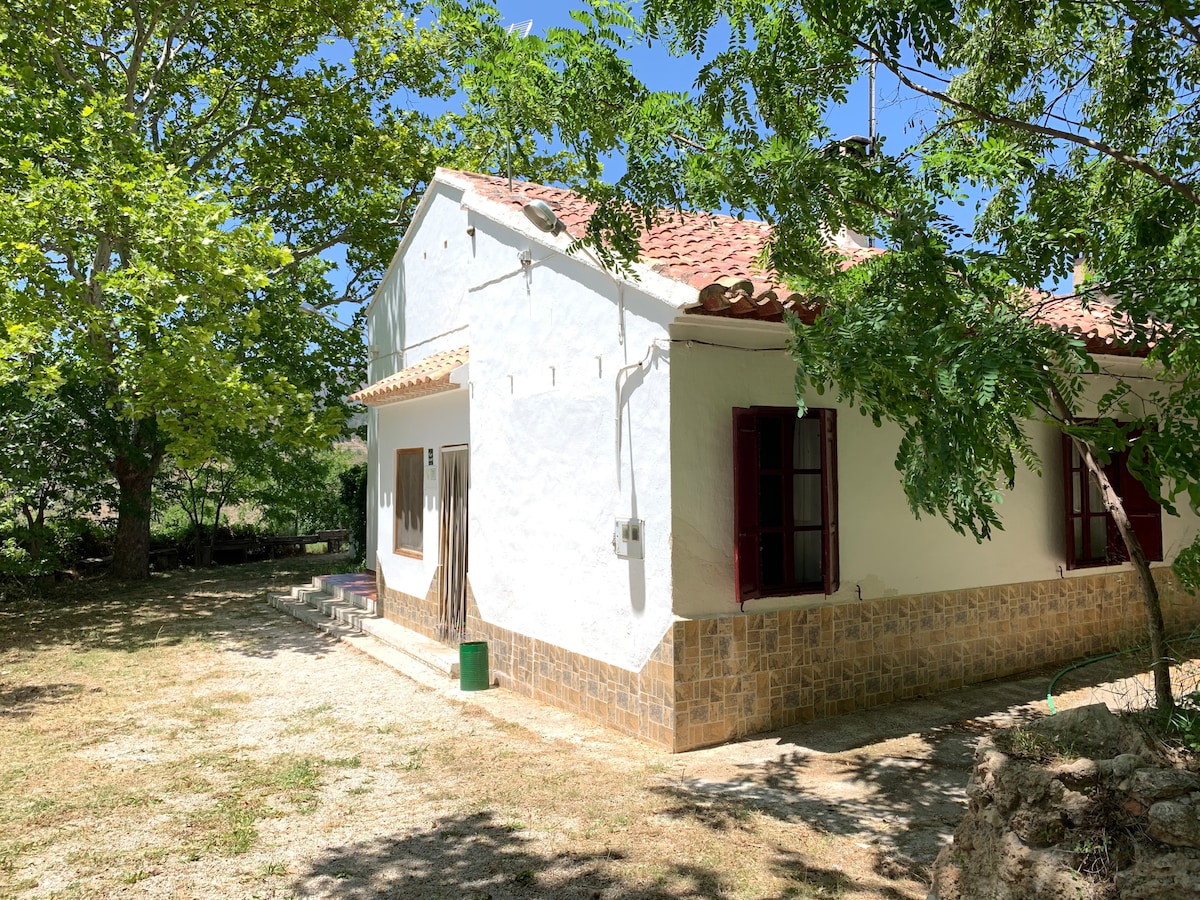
[184,739]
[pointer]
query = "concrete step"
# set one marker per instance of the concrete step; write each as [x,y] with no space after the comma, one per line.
[342,618]
[344,593]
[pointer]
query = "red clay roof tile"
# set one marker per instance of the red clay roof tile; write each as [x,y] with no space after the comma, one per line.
[718,256]
[430,376]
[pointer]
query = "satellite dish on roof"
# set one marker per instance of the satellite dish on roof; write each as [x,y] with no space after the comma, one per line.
[546,219]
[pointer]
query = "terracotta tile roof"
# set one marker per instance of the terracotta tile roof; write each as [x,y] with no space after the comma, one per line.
[430,376]
[1098,322]
[716,255]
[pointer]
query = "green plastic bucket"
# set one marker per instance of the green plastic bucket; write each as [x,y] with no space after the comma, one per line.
[473,666]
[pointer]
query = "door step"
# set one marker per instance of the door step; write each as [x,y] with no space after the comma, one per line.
[345,615]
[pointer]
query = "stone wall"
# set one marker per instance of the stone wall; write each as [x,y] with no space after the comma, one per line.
[712,680]
[1075,805]
[636,703]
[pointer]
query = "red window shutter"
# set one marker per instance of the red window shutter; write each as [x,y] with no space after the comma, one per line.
[745,504]
[1145,515]
[832,565]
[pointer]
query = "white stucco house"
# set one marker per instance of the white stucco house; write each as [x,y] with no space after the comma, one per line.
[603,476]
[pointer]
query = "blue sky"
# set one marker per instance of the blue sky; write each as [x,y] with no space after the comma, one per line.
[660,71]
[654,65]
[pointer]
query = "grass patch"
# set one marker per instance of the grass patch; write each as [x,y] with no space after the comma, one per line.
[1024,743]
[190,736]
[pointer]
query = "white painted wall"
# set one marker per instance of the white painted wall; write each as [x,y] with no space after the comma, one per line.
[426,422]
[547,355]
[883,549]
[546,486]
[418,310]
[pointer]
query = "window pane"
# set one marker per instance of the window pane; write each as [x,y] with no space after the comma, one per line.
[1077,537]
[1076,493]
[806,499]
[410,501]
[806,452]
[770,442]
[1098,529]
[808,557]
[770,500]
[771,558]
[1095,497]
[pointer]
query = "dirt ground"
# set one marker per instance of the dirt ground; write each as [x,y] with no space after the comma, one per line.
[184,739]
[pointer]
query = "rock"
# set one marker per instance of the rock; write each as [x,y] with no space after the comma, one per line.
[1166,876]
[1079,772]
[1150,785]
[1092,827]
[1091,731]
[1127,763]
[1175,823]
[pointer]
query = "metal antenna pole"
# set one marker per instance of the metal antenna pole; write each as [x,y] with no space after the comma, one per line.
[871,103]
[521,30]
[871,118]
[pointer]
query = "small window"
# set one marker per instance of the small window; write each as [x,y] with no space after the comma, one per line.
[1092,536]
[785,502]
[410,502]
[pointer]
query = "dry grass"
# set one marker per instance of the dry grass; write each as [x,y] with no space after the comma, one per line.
[183,739]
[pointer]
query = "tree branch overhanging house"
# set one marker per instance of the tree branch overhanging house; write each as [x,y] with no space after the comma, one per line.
[603,475]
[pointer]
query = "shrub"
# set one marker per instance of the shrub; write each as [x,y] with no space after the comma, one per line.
[354,504]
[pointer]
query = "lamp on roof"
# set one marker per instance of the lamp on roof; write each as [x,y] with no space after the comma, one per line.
[540,214]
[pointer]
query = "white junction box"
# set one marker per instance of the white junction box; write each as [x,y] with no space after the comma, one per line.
[627,538]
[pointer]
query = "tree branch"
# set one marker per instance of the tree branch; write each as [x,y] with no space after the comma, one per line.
[987,115]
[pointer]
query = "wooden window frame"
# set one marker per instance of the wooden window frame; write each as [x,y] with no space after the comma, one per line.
[748,528]
[1145,515]
[401,496]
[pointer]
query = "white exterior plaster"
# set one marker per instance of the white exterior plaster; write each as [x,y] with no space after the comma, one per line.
[556,345]
[550,343]
[884,550]
[546,485]
[418,310]
[433,422]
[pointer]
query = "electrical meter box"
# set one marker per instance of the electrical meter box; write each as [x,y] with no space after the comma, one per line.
[627,538]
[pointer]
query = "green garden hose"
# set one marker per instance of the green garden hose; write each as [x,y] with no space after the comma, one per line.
[1088,662]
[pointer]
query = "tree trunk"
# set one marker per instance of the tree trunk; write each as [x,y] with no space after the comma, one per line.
[37,525]
[134,468]
[1160,663]
[131,553]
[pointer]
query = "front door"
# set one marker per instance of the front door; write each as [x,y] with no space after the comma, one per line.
[454,480]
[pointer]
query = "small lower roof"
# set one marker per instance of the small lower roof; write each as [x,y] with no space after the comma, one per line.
[430,376]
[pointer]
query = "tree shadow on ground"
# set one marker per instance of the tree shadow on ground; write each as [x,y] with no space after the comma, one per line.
[21,701]
[476,856]
[225,604]
[903,809]
[896,775]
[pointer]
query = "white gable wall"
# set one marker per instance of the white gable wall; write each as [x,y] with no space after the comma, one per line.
[546,359]
[884,550]
[418,310]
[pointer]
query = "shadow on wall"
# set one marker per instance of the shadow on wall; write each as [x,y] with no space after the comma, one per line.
[626,385]
[475,856]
